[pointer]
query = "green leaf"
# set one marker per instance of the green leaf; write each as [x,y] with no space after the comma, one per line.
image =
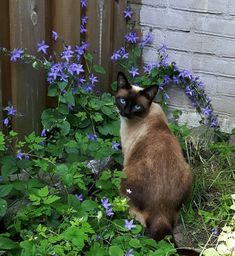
[111,128]
[43,192]
[9,166]
[13,133]
[211,252]
[64,128]
[3,208]
[135,243]
[99,69]
[51,199]
[62,85]
[96,250]
[89,205]
[88,57]
[7,244]
[115,251]
[5,189]
[52,91]
[67,98]
[63,109]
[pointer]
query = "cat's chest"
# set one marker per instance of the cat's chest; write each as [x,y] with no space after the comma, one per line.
[130,133]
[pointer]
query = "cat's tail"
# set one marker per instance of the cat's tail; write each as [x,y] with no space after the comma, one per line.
[159,226]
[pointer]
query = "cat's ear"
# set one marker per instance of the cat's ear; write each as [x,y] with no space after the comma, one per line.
[150,92]
[122,82]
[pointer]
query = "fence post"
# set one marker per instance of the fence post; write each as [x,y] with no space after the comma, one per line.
[27,28]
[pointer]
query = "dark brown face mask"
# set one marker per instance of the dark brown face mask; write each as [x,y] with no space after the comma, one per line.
[132,102]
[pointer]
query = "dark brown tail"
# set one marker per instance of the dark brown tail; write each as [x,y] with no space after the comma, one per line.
[187,252]
[159,227]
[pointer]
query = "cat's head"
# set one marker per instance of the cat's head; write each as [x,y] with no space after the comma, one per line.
[132,100]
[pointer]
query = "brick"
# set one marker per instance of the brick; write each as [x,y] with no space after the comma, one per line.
[186,21]
[213,25]
[155,3]
[231,7]
[224,105]
[182,59]
[210,82]
[197,43]
[211,6]
[162,18]
[226,87]
[213,65]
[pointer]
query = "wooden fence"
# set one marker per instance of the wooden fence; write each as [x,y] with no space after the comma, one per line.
[24,23]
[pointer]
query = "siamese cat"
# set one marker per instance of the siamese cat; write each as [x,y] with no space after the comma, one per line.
[158,179]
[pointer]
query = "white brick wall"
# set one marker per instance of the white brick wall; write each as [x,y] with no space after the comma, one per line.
[200,36]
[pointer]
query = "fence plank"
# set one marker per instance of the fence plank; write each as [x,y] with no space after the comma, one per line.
[119,30]
[5,81]
[27,28]
[99,35]
[66,20]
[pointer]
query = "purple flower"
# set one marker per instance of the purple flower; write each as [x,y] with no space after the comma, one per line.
[215,231]
[55,71]
[164,60]
[105,203]
[134,72]
[207,111]
[10,110]
[84,3]
[108,209]
[162,50]
[129,252]
[123,53]
[19,155]
[185,74]
[83,29]
[92,136]
[70,107]
[115,146]
[42,47]
[128,13]
[82,80]
[148,67]
[189,91]
[6,121]
[67,53]
[84,20]
[109,212]
[131,37]
[16,54]
[89,88]
[116,55]
[129,224]
[148,39]
[79,197]
[43,133]
[166,96]
[75,68]
[201,85]
[166,80]
[84,45]
[97,238]
[214,122]
[176,79]
[93,79]
[55,35]
[26,157]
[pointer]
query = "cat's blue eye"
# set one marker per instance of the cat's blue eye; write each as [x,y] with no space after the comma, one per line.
[137,107]
[122,101]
